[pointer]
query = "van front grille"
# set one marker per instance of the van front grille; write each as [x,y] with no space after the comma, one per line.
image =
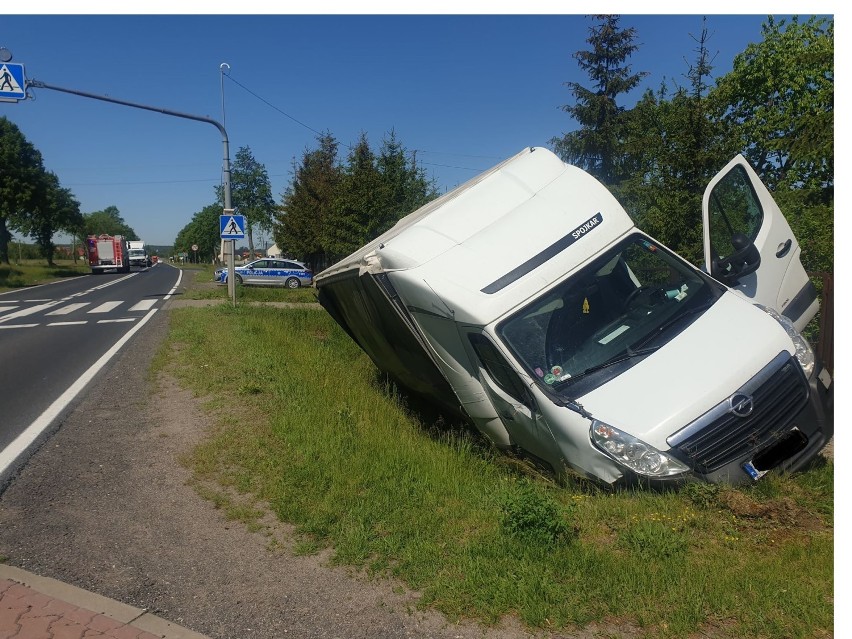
[720,436]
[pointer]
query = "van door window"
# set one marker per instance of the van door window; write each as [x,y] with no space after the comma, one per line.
[500,371]
[734,209]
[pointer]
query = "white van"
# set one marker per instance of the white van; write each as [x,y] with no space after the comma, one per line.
[528,301]
[139,254]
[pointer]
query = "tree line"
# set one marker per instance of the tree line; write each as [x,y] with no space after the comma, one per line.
[775,107]
[32,201]
[35,204]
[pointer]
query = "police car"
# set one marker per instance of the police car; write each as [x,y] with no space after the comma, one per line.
[269,272]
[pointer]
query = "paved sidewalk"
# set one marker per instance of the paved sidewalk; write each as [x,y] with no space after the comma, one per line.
[33,607]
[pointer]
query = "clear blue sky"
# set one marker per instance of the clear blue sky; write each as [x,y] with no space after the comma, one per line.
[465,92]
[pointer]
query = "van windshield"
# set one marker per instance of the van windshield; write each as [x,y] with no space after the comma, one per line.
[598,323]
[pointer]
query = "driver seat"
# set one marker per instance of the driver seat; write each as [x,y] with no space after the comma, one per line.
[571,325]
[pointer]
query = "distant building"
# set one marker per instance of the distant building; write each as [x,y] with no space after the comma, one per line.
[273,251]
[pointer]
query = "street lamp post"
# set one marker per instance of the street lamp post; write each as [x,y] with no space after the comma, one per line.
[226,162]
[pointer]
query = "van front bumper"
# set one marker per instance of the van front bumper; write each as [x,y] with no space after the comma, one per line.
[791,447]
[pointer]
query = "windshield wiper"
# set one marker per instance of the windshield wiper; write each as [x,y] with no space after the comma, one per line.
[668,324]
[567,402]
[636,350]
[610,362]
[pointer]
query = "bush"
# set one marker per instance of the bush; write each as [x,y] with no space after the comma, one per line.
[703,495]
[530,513]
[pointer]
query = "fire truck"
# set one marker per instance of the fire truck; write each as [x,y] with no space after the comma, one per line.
[108,253]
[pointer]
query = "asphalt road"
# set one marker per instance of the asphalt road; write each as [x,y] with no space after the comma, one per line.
[54,340]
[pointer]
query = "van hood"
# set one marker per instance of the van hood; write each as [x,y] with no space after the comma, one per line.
[701,367]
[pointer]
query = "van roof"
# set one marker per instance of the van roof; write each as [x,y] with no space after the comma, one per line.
[496,240]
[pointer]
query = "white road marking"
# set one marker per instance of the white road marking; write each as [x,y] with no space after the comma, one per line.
[77,323]
[3,309]
[29,435]
[106,307]
[144,305]
[19,326]
[116,321]
[104,285]
[174,288]
[28,311]
[70,308]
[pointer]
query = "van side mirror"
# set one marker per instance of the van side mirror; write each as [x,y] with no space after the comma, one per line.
[744,260]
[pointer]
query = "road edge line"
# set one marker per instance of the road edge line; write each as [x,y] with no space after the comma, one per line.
[23,441]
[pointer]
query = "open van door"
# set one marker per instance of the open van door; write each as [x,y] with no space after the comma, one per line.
[749,246]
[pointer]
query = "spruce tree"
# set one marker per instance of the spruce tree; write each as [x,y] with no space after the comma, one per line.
[595,146]
[307,204]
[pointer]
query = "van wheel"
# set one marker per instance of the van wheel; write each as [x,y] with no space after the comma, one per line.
[293,283]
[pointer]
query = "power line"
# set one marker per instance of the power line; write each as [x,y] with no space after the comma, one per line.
[300,123]
[461,155]
[450,166]
[141,182]
[272,106]
[310,128]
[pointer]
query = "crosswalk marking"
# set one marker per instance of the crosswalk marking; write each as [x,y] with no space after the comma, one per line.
[144,305]
[106,307]
[17,309]
[32,310]
[70,308]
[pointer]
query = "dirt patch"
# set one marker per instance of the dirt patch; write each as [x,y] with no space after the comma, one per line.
[783,512]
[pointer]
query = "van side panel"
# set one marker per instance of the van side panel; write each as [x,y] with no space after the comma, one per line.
[383,329]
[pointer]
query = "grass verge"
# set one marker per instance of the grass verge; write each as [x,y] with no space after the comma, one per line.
[204,288]
[33,272]
[307,428]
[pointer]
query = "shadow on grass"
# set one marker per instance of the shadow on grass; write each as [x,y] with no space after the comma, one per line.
[451,427]
[15,278]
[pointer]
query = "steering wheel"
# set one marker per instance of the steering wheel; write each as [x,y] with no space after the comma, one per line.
[649,291]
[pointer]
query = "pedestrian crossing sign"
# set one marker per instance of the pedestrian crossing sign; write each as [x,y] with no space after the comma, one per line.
[13,87]
[232,227]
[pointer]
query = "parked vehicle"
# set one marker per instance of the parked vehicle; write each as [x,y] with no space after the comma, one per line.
[269,272]
[527,301]
[139,254]
[108,253]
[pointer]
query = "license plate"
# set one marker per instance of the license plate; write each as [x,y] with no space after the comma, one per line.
[753,472]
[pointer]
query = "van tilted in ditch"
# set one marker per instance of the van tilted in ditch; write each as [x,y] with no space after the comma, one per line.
[529,302]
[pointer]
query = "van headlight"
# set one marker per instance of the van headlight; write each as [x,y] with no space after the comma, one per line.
[804,352]
[638,456]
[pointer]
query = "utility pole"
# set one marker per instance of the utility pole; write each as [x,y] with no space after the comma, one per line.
[226,162]
[231,244]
